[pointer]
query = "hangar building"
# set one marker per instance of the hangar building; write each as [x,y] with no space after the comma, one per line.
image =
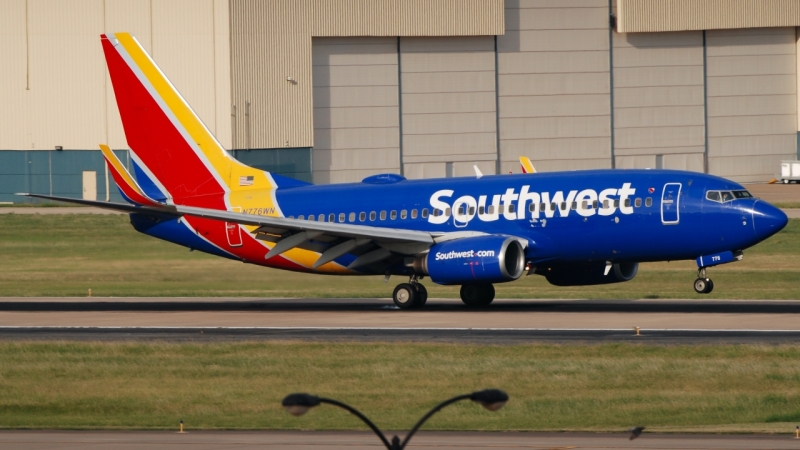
[335,90]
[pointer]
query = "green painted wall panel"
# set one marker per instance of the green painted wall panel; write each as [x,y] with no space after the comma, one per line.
[61,172]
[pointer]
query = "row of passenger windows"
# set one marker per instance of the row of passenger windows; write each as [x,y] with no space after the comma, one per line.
[362,216]
[490,210]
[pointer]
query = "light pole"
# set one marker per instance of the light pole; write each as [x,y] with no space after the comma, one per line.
[299,404]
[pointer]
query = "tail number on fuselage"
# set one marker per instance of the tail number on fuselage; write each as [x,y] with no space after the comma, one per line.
[466,207]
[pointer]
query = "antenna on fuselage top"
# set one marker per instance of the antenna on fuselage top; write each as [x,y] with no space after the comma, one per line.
[478,172]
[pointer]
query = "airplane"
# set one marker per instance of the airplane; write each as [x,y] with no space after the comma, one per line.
[575,228]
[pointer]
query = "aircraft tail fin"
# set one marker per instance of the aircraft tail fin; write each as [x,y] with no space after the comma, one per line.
[173,152]
[527,166]
[128,187]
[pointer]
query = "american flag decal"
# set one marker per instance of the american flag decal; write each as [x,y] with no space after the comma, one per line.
[246,181]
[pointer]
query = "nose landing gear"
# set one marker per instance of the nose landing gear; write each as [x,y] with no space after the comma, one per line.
[410,295]
[703,284]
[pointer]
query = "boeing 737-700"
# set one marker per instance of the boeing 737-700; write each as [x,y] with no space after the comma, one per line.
[574,228]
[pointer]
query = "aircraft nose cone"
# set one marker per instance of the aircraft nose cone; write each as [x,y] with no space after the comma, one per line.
[767,219]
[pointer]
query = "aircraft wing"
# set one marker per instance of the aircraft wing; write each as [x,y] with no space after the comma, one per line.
[290,233]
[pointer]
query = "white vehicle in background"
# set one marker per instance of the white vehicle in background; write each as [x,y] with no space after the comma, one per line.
[790,171]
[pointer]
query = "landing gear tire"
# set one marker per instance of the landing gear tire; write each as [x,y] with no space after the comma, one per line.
[477,294]
[422,295]
[703,285]
[405,296]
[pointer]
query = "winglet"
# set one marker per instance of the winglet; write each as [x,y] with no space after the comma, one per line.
[527,166]
[127,185]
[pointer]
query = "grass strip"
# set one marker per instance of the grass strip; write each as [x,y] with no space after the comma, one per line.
[605,387]
[65,255]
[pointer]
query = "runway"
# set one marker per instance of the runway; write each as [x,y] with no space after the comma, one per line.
[307,440]
[442,320]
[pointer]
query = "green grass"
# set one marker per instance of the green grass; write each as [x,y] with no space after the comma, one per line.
[552,387]
[65,255]
[787,205]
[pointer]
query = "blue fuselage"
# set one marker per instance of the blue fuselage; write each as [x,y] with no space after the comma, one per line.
[580,216]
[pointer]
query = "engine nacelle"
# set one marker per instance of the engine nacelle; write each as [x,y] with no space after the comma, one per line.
[480,259]
[589,274]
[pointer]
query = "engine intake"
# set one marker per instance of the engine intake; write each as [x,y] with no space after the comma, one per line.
[589,274]
[480,259]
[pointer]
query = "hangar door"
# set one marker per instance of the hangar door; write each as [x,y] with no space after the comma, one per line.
[356,108]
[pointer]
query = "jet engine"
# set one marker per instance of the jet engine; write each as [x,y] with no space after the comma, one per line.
[480,259]
[589,274]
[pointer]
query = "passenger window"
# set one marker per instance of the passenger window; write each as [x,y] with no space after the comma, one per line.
[605,204]
[471,210]
[512,208]
[574,205]
[563,205]
[543,206]
[627,202]
[331,217]
[393,215]
[491,209]
[352,217]
[291,217]
[726,196]
[462,210]
[638,202]
[584,205]
[447,212]
[372,215]
[383,215]
[531,207]
[362,216]
[648,202]
[403,214]
[301,217]
[595,203]
[616,203]
[481,210]
[552,206]
[341,217]
[413,213]
[321,218]
[311,217]
[500,209]
[425,213]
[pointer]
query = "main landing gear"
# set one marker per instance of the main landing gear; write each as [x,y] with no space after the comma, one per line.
[410,295]
[477,294]
[703,284]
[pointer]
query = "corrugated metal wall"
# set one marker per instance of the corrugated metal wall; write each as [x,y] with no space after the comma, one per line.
[752,101]
[554,85]
[448,105]
[271,42]
[356,108]
[53,78]
[658,100]
[679,15]
[407,17]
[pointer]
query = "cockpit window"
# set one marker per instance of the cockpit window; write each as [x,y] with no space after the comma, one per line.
[742,194]
[726,196]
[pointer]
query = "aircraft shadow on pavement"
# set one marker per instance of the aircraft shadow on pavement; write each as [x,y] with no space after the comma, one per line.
[365,305]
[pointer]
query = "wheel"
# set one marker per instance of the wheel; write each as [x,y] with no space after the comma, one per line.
[422,295]
[405,296]
[709,285]
[785,181]
[701,285]
[477,294]
[488,294]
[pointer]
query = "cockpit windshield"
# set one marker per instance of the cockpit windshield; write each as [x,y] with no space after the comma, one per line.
[727,196]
